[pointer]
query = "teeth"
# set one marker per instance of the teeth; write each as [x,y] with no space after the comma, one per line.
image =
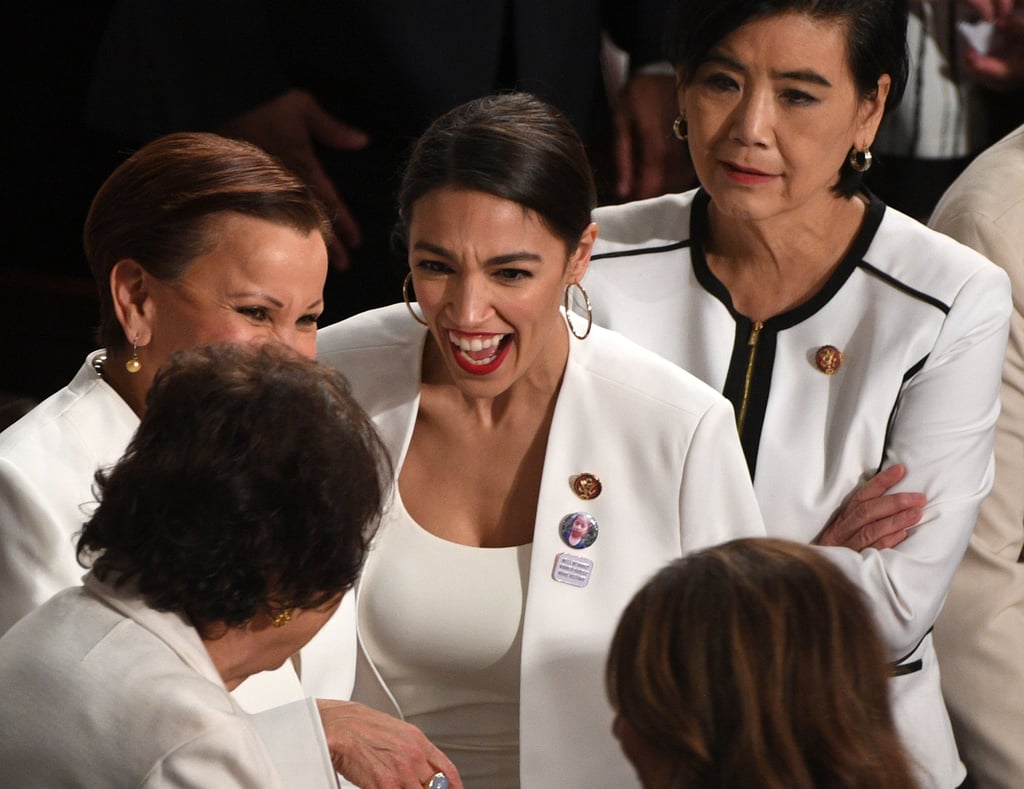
[476,343]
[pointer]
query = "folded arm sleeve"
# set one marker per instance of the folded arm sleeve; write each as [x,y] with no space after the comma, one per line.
[943,431]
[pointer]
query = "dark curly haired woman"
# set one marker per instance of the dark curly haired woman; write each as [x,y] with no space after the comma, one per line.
[224,540]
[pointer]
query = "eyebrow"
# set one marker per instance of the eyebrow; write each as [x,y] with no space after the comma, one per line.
[497,260]
[256,294]
[800,75]
[803,75]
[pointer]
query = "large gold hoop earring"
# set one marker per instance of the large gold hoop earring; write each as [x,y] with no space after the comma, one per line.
[679,128]
[860,161]
[405,298]
[568,312]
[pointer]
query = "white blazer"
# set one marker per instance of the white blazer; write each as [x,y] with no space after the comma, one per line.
[101,690]
[664,446]
[48,460]
[921,324]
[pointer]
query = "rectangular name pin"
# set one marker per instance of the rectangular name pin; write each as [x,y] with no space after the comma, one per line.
[572,570]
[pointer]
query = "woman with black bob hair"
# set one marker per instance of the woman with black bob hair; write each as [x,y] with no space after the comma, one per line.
[861,350]
[876,44]
[224,539]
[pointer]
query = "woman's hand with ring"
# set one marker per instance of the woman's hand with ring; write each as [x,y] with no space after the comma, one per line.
[374,750]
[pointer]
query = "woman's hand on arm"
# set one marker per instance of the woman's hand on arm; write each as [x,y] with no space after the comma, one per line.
[375,750]
[873,518]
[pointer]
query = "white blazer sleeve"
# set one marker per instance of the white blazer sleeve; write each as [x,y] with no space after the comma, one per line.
[942,431]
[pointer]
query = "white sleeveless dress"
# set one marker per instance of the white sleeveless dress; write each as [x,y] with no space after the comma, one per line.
[442,623]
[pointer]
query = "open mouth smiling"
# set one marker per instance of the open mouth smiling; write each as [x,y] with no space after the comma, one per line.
[479,353]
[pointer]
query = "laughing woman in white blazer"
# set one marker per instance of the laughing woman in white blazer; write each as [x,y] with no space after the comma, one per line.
[850,338]
[195,238]
[225,538]
[481,618]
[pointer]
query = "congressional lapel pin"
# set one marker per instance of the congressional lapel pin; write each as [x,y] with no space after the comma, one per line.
[828,359]
[573,570]
[587,486]
[578,530]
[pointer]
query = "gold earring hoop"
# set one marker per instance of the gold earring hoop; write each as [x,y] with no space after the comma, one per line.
[679,128]
[281,618]
[568,312]
[133,365]
[405,298]
[860,161]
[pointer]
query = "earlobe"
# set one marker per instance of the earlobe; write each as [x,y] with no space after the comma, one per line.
[129,288]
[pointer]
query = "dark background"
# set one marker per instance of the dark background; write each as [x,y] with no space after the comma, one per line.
[52,165]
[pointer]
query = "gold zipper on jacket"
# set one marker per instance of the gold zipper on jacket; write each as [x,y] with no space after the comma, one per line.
[755,334]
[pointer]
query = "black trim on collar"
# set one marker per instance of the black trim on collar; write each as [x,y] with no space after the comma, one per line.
[851,260]
[698,241]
